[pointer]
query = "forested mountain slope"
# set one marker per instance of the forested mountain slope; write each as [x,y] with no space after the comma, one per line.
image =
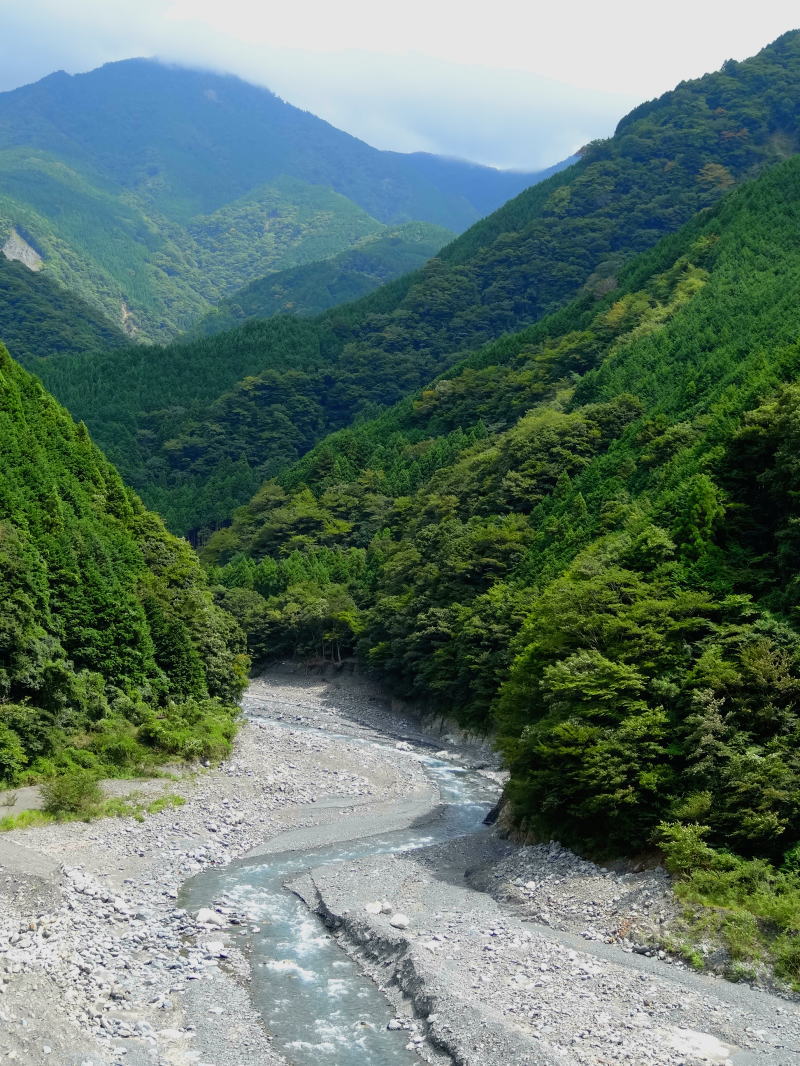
[571,233]
[585,538]
[39,318]
[112,652]
[154,191]
[309,290]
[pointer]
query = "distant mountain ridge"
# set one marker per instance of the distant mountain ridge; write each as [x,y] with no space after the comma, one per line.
[192,455]
[154,191]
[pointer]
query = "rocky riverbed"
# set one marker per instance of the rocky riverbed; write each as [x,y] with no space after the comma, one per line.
[99,965]
[506,955]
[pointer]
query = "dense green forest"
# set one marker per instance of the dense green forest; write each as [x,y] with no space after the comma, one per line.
[153,191]
[197,454]
[39,318]
[584,538]
[112,653]
[546,484]
[310,290]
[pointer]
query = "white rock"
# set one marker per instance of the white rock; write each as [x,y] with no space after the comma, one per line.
[400,921]
[208,917]
[171,1035]
[373,908]
[703,1045]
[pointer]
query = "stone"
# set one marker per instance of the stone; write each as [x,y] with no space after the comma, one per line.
[400,921]
[205,916]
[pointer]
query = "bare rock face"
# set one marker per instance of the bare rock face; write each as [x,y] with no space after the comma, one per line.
[16,247]
[127,321]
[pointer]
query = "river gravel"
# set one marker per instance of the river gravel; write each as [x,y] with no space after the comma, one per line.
[495,987]
[99,966]
[97,962]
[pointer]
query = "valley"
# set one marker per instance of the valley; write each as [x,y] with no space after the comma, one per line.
[399,576]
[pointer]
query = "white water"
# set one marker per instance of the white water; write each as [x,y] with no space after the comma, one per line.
[318,1004]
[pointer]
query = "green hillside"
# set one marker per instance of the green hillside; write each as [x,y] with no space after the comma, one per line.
[112,653]
[153,191]
[585,538]
[309,290]
[572,233]
[40,318]
[151,275]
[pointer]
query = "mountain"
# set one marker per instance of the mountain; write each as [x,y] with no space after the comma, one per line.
[193,451]
[584,538]
[112,653]
[309,290]
[155,191]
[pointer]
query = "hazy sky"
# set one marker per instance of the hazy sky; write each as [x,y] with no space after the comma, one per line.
[514,83]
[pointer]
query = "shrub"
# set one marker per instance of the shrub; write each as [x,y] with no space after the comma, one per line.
[73,792]
[195,729]
[748,906]
[12,755]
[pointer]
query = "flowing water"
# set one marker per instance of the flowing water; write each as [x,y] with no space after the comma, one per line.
[315,1000]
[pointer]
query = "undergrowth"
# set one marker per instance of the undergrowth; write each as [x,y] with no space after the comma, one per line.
[746,909]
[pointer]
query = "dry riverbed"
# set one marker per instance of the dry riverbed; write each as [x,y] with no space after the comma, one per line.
[99,965]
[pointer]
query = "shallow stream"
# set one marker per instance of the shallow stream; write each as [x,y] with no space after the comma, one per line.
[316,1001]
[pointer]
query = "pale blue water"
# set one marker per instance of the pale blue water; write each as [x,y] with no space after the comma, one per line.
[314,999]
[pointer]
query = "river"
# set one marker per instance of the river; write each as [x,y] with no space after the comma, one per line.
[313,998]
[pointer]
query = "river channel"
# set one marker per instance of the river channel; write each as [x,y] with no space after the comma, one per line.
[316,1001]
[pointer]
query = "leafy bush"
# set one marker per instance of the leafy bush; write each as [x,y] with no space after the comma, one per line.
[74,792]
[196,729]
[12,755]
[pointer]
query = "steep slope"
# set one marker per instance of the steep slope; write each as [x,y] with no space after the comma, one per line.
[584,537]
[310,290]
[147,273]
[574,231]
[111,651]
[39,318]
[154,191]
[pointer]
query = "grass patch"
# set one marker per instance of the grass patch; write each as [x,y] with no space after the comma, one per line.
[132,806]
[25,820]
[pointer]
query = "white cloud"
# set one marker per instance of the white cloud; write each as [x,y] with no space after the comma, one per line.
[514,82]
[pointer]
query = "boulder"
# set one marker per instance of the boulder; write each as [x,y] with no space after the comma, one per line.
[205,916]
